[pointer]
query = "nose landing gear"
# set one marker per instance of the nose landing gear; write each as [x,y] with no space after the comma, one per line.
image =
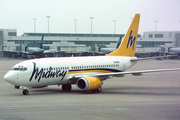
[25,92]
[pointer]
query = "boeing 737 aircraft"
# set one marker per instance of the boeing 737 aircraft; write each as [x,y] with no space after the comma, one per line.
[87,73]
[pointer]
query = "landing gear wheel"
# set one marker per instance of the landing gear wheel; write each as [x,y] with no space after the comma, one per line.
[66,87]
[99,89]
[25,92]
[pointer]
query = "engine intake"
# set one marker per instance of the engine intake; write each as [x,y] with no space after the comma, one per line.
[88,83]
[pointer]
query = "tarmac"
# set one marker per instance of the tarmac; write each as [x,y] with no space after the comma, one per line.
[152,96]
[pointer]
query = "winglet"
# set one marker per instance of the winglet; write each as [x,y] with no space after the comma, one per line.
[128,45]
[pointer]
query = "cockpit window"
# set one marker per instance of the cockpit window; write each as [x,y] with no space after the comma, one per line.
[15,69]
[25,68]
[19,68]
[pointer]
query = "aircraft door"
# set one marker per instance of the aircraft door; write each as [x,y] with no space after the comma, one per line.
[82,67]
[17,76]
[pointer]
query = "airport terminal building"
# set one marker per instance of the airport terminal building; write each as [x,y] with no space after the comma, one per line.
[156,41]
[60,41]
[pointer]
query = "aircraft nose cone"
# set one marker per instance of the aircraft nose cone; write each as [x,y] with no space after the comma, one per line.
[8,77]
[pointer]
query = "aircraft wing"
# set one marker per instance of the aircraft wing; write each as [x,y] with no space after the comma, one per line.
[121,74]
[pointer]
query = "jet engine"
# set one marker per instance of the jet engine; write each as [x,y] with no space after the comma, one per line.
[88,83]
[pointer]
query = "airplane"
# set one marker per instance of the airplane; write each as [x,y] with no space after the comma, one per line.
[108,50]
[88,73]
[175,51]
[38,51]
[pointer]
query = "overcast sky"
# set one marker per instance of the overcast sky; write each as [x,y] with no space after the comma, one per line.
[19,14]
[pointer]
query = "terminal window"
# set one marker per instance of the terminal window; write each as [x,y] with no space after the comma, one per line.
[158,35]
[150,35]
[11,33]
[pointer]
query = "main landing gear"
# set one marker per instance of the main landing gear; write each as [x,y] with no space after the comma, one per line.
[66,87]
[98,90]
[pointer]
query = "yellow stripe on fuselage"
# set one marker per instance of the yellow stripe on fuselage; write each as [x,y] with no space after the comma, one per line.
[89,71]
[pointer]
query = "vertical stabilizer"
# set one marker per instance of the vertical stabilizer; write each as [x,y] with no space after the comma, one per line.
[128,45]
[119,42]
[41,44]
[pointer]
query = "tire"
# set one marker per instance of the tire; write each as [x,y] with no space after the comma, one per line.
[99,89]
[25,92]
[66,87]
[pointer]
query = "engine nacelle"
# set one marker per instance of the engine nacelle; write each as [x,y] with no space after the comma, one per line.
[88,83]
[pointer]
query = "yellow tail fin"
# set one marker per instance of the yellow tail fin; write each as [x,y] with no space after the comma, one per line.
[128,45]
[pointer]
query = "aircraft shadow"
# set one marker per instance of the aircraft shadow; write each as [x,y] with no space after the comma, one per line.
[172,91]
[142,90]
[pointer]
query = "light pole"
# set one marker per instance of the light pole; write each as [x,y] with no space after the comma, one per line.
[75,20]
[155,25]
[34,24]
[114,26]
[48,22]
[91,24]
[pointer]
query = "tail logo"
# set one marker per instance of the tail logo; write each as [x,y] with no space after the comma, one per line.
[131,41]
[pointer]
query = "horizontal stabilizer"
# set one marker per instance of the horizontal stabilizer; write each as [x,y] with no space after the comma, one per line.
[138,59]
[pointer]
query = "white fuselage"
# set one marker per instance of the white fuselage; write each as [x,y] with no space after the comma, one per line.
[35,50]
[56,71]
